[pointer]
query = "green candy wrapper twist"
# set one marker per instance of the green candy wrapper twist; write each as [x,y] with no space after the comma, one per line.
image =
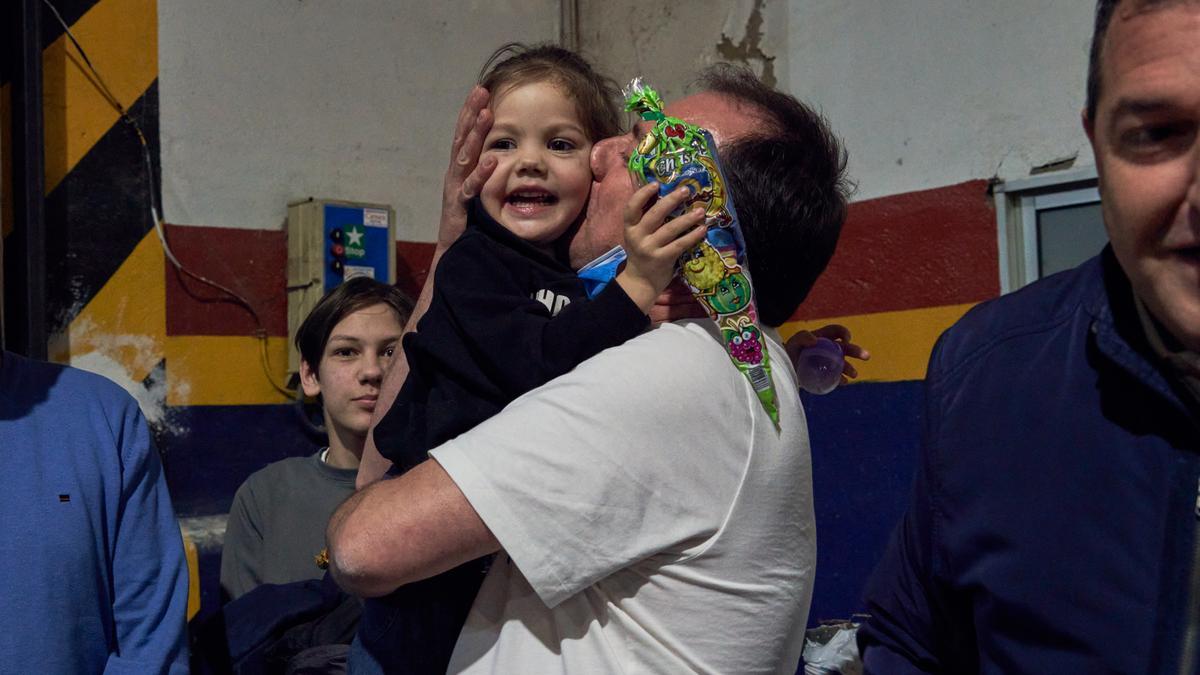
[678,154]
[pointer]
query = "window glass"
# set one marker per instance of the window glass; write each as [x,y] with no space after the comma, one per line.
[1067,236]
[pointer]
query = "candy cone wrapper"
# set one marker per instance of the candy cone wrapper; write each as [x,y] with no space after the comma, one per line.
[678,154]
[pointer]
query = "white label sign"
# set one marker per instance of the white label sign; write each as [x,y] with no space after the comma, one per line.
[375,217]
[351,271]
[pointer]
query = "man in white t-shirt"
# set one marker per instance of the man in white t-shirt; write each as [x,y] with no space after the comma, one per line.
[651,518]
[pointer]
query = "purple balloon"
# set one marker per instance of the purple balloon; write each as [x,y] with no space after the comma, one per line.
[819,367]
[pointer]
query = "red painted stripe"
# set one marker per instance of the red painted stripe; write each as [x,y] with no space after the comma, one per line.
[919,249]
[412,265]
[252,263]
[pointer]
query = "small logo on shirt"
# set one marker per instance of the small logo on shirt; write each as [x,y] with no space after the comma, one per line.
[553,301]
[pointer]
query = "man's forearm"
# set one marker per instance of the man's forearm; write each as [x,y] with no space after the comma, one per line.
[398,531]
[346,578]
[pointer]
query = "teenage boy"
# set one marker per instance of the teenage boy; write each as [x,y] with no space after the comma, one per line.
[276,528]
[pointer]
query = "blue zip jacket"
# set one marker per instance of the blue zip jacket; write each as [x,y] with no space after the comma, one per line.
[1052,526]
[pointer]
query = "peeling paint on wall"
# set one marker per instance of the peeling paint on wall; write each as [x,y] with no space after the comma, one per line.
[135,355]
[150,394]
[742,39]
[207,532]
[1058,164]
[669,44]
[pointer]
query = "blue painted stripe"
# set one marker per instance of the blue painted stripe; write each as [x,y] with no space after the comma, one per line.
[864,445]
[209,450]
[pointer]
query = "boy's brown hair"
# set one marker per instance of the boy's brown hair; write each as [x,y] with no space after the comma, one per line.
[595,96]
[349,297]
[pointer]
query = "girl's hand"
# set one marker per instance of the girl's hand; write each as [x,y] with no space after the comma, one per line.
[653,244]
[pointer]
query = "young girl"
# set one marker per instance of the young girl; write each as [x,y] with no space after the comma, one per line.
[508,314]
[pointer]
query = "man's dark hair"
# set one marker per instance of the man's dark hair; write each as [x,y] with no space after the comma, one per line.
[789,188]
[595,96]
[1104,14]
[349,297]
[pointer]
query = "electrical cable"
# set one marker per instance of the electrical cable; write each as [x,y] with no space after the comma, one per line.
[260,331]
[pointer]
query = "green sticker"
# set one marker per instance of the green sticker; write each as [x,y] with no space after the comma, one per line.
[355,246]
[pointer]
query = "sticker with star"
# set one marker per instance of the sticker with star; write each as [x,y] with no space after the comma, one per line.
[354,241]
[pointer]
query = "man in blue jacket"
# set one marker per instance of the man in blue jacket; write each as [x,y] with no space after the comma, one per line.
[1054,524]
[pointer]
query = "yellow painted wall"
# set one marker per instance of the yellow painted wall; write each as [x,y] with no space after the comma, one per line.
[899,342]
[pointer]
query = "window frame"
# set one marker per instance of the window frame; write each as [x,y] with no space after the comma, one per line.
[1017,205]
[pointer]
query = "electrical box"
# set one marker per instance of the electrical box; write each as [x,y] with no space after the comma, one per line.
[329,242]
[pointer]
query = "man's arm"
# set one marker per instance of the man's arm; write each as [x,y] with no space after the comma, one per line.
[424,510]
[150,576]
[464,179]
[901,634]
[562,439]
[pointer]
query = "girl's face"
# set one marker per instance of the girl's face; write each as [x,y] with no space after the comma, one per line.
[543,171]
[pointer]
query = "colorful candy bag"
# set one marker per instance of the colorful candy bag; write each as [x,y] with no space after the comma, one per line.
[677,154]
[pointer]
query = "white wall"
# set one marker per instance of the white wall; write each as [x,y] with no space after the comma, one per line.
[928,93]
[269,101]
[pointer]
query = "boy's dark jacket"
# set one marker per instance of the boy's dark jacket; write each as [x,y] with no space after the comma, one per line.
[304,626]
[1054,518]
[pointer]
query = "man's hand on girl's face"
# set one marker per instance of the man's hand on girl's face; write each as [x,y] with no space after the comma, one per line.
[466,174]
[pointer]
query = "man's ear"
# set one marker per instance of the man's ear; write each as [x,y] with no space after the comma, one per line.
[308,379]
[1089,126]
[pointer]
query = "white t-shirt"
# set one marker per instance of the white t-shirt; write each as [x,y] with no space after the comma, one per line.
[653,520]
